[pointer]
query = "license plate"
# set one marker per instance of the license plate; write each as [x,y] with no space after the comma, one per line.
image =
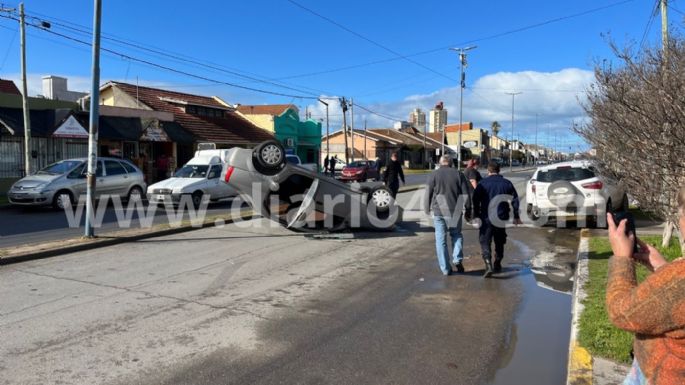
[160,197]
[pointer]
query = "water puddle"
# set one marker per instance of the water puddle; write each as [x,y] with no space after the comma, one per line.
[538,342]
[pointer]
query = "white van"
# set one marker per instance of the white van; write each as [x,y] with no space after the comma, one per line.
[198,178]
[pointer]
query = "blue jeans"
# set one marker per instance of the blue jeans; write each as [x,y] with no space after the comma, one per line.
[441,229]
[635,375]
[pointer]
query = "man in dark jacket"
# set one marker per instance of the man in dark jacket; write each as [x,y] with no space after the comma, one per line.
[393,174]
[492,227]
[447,196]
[331,165]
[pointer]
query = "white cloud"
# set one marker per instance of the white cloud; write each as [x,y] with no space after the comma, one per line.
[554,96]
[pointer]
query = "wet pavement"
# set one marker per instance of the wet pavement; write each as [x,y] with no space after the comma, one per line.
[538,348]
[267,306]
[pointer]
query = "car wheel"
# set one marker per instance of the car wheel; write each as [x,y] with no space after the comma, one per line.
[197,199]
[135,193]
[269,157]
[60,199]
[381,198]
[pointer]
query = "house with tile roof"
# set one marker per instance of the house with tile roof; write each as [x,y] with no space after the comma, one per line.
[8,87]
[299,137]
[382,142]
[165,113]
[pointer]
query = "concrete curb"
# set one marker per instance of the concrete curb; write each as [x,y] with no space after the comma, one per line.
[50,249]
[579,359]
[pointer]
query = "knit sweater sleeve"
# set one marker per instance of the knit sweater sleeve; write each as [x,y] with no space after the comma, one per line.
[653,307]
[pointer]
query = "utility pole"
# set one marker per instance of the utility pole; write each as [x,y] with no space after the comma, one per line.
[94,119]
[511,147]
[365,156]
[352,124]
[463,65]
[425,153]
[328,148]
[664,28]
[537,150]
[24,94]
[343,105]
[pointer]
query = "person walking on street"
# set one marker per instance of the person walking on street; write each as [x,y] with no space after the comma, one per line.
[492,223]
[325,165]
[447,197]
[651,309]
[331,166]
[471,172]
[393,174]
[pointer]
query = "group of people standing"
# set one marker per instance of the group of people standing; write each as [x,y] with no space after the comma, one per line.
[452,196]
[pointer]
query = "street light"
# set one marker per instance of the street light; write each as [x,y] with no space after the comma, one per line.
[511,146]
[327,129]
[463,64]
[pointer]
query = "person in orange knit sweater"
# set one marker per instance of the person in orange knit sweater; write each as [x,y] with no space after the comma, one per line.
[653,310]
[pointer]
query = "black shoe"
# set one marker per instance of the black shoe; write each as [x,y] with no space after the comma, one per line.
[488,269]
[498,266]
[460,267]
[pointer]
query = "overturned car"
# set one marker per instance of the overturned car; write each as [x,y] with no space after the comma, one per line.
[304,200]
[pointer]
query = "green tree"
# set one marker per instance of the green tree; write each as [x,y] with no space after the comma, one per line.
[495,127]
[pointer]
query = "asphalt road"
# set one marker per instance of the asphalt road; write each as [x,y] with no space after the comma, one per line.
[24,225]
[246,304]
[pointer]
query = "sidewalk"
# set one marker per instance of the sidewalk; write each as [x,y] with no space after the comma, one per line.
[49,249]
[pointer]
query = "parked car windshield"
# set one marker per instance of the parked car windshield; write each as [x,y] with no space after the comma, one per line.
[192,171]
[357,164]
[60,168]
[571,174]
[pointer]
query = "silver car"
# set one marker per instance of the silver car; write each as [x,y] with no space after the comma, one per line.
[304,200]
[66,180]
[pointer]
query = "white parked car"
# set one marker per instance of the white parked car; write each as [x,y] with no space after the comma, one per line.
[198,178]
[295,160]
[573,189]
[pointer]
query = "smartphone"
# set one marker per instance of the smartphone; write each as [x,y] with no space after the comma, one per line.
[630,225]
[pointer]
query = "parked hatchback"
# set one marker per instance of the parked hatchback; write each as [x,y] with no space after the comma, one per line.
[66,180]
[573,189]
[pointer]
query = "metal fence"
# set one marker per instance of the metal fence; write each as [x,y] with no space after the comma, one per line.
[43,152]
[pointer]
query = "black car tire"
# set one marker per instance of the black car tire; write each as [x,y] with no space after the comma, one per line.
[381,198]
[269,157]
[135,190]
[197,199]
[57,202]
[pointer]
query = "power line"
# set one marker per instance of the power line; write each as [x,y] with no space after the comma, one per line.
[489,37]
[171,55]
[167,68]
[341,26]
[648,27]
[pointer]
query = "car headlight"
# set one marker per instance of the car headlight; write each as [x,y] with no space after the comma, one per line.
[360,171]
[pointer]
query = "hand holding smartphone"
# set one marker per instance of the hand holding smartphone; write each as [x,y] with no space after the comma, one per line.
[630,226]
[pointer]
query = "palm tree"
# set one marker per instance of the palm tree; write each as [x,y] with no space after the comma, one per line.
[495,126]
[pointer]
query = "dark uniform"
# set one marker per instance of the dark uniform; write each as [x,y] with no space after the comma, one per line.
[487,190]
[392,176]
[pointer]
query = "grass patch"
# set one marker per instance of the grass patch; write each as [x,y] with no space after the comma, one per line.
[596,333]
[639,214]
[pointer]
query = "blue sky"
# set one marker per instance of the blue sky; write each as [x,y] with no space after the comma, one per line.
[277,39]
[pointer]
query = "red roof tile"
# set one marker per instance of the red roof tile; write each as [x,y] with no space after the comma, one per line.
[266,109]
[455,127]
[8,87]
[230,129]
